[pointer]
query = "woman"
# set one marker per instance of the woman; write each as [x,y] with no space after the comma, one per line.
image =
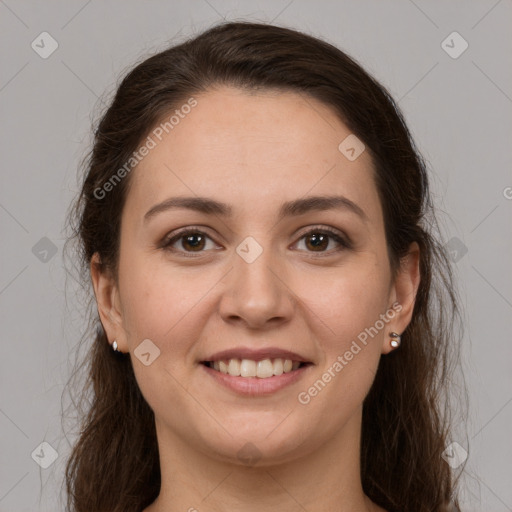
[274,316]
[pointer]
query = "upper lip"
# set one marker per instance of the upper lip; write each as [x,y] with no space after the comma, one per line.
[256,354]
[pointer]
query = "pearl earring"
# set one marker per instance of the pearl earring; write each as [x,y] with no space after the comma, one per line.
[396,339]
[114,346]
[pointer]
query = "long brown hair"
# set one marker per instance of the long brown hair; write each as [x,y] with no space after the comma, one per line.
[114,464]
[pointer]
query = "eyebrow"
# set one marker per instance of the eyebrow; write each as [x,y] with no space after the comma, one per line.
[290,208]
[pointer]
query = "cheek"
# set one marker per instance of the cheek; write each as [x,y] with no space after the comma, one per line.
[347,311]
[156,303]
[164,307]
[347,302]
[350,349]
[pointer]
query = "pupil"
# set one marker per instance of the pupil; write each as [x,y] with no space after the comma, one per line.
[318,240]
[189,240]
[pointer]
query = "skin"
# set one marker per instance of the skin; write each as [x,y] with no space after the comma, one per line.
[255,151]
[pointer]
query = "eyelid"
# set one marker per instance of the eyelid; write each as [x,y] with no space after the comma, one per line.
[175,236]
[339,236]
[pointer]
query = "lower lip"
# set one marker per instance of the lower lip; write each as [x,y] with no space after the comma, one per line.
[254,386]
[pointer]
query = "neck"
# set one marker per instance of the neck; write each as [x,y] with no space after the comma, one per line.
[325,478]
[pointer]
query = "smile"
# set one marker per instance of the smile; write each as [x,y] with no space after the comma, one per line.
[264,369]
[251,378]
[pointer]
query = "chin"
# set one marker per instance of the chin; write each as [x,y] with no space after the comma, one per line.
[268,445]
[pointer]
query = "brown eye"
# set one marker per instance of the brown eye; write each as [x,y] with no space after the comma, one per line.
[324,241]
[196,242]
[317,241]
[191,241]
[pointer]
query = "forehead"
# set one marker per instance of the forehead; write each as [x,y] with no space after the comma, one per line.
[252,149]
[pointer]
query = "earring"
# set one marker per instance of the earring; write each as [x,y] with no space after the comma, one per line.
[396,339]
[114,346]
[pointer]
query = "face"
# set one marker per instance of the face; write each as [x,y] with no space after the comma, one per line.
[247,267]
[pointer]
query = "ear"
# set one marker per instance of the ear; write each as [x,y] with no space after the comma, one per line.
[107,300]
[403,293]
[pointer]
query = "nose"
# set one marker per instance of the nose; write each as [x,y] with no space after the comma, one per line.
[257,294]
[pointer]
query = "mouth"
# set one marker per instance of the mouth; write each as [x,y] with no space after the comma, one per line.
[250,368]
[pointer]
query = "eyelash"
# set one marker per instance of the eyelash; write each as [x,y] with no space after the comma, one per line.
[343,242]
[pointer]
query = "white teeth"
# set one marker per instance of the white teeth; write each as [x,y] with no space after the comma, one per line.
[234,367]
[278,366]
[265,369]
[261,369]
[223,367]
[248,368]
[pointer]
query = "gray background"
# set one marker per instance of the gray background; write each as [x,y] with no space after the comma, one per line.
[457,108]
